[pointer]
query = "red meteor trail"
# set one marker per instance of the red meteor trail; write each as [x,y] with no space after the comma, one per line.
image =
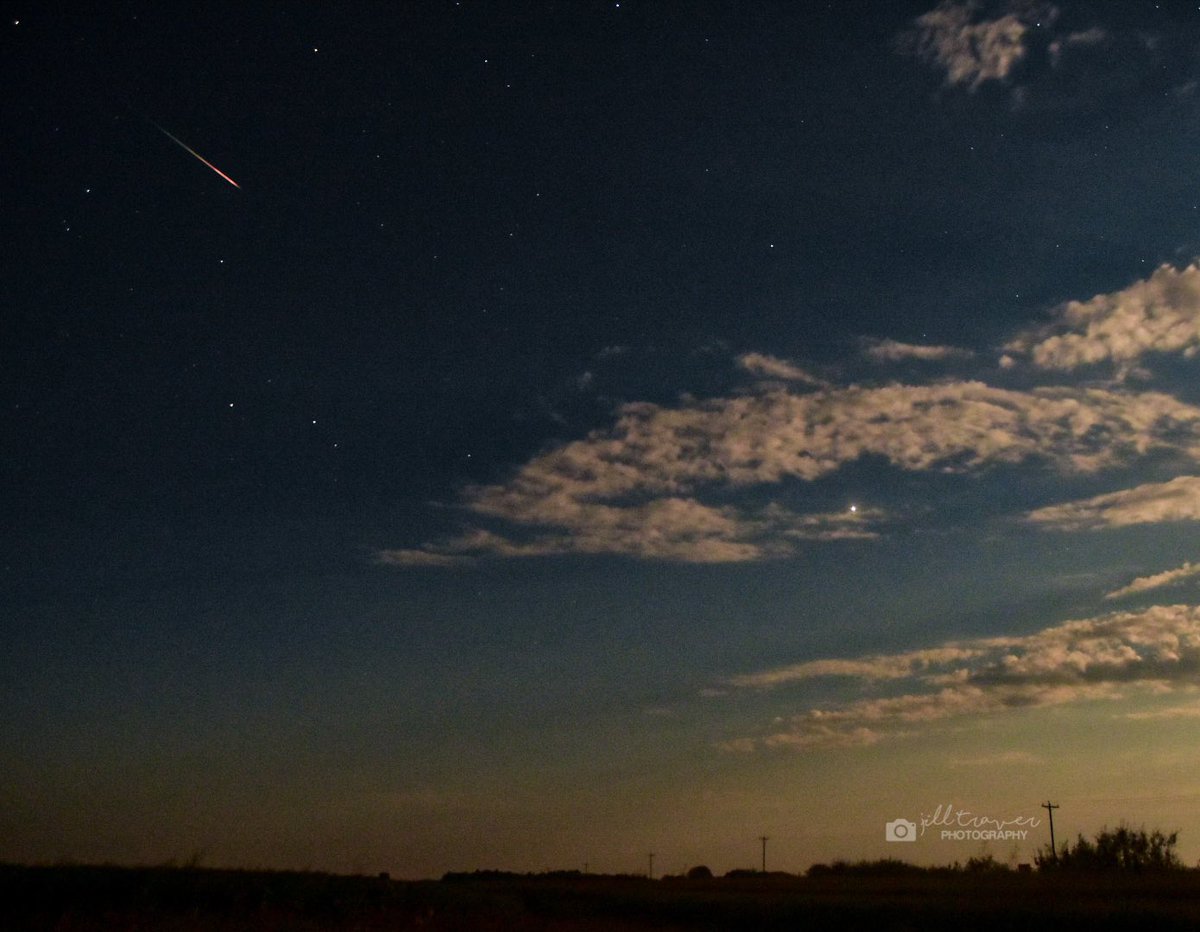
[188,148]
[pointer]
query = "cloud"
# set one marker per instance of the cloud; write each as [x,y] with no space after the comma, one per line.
[644,487]
[1087,38]
[1093,36]
[611,352]
[1176,712]
[672,528]
[1156,650]
[771,367]
[1160,314]
[1157,581]
[1153,503]
[970,51]
[667,528]
[823,736]
[998,759]
[849,524]
[421,557]
[872,668]
[867,722]
[763,438]
[893,351]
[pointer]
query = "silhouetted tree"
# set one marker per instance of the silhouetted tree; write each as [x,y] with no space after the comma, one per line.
[984,864]
[883,867]
[700,872]
[1119,849]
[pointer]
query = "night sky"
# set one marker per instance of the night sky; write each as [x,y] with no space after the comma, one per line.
[583,430]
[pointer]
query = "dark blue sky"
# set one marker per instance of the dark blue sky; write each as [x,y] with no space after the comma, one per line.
[472,484]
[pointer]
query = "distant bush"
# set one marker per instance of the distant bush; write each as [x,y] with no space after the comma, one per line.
[487,874]
[1119,849]
[700,872]
[741,873]
[880,868]
[982,865]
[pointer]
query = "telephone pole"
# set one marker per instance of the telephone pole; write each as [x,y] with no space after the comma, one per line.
[1050,807]
[651,874]
[763,839]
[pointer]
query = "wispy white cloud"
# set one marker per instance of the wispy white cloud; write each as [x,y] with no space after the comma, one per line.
[611,352]
[872,668]
[894,351]
[640,487]
[1160,314]
[997,759]
[774,368]
[762,438]
[668,528]
[1174,712]
[419,557]
[1094,35]
[869,721]
[1156,581]
[1156,650]
[852,523]
[971,49]
[671,528]
[1085,38]
[1153,503]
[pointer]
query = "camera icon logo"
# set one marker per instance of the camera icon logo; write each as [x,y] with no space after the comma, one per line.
[900,830]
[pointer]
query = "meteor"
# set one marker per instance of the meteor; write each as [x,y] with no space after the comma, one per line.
[189,149]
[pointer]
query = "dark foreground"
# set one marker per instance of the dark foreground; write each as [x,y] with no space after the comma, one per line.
[73,898]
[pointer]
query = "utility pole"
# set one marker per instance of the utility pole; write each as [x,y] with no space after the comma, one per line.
[763,839]
[651,874]
[1050,807]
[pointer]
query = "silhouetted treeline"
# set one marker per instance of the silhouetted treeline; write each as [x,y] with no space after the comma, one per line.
[892,867]
[884,867]
[71,896]
[884,896]
[1119,849]
[498,875]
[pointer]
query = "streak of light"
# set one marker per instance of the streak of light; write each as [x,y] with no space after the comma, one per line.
[179,142]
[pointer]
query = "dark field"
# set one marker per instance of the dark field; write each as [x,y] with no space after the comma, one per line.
[93,898]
